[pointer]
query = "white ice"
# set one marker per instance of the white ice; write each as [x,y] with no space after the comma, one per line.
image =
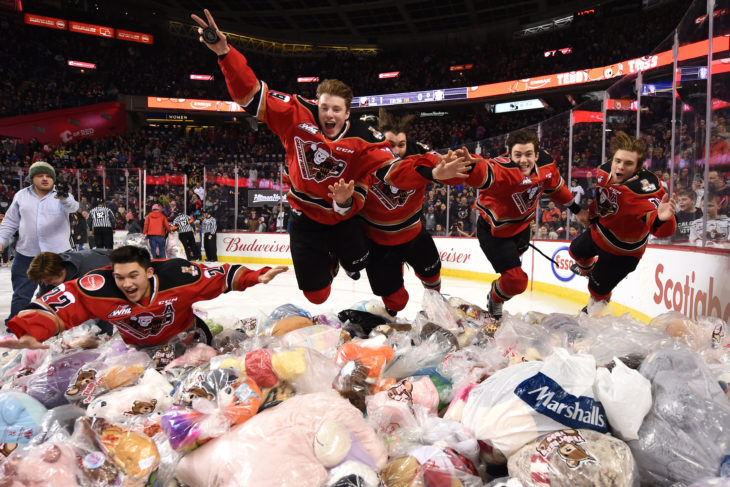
[263,298]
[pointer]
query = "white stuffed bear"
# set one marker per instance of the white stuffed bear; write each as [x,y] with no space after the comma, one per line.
[151,395]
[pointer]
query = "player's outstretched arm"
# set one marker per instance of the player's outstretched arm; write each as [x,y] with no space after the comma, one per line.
[26,341]
[667,208]
[453,165]
[272,273]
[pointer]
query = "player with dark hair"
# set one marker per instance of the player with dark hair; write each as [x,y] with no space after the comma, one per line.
[149,302]
[510,188]
[329,160]
[392,219]
[629,204]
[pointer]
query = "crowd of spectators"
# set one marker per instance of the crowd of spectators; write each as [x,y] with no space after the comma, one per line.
[36,77]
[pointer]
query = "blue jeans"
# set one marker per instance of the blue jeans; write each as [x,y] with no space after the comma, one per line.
[23,287]
[157,244]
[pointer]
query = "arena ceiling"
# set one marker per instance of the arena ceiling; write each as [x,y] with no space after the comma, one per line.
[371,22]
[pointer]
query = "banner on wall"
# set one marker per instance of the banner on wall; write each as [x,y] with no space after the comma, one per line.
[223,180]
[265,197]
[62,126]
[695,282]
[584,116]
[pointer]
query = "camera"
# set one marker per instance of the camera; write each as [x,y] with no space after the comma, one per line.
[62,190]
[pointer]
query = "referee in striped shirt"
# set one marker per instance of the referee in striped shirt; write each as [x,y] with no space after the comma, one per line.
[185,233]
[209,241]
[101,220]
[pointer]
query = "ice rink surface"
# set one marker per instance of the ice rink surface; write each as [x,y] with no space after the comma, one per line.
[263,298]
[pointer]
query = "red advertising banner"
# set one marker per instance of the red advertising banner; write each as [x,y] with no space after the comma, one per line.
[616,70]
[128,35]
[583,116]
[91,29]
[245,182]
[166,179]
[190,104]
[81,64]
[584,172]
[202,77]
[461,67]
[42,21]
[627,105]
[91,121]
[391,74]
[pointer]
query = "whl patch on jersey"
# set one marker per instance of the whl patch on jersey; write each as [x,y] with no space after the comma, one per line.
[92,282]
[316,161]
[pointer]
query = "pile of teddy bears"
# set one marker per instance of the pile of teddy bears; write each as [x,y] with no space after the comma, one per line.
[354,399]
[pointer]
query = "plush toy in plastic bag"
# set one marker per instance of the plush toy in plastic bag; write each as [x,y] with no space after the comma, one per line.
[20,417]
[518,404]
[208,404]
[150,396]
[118,367]
[174,247]
[618,388]
[276,447]
[138,240]
[49,384]
[51,464]
[686,435]
[574,458]
[113,455]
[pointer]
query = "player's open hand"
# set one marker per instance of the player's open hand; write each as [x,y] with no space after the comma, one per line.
[221,46]
[272,273]
[26,341]
[341,191]
[452,166]
[667,208]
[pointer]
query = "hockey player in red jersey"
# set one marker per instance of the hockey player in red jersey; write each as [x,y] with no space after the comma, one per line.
[629,204]
[329,159]
[148,302]
[392,218]
[510,187]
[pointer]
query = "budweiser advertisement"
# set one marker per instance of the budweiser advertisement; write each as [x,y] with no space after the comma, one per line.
[43,21]
[91,121]
[91,29]
[191,104]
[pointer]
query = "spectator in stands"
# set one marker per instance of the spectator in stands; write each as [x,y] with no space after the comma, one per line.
[718,225]
[133,225]
[79,230]
[577,191]
[41,218]
[716,184]
[551,216]
[686,214]
[156,229]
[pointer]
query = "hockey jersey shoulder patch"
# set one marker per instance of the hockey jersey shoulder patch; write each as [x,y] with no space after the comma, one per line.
[176,272]
[364,131]
[645,182]
[544,159]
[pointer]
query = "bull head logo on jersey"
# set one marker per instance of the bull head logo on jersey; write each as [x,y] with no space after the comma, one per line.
[316,161]
[526,200]
[607,204]
[390,196]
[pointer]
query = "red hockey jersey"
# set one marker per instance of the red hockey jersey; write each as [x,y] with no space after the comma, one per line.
[627,212]
[508,199]
[313,161]
[392,212]
[176,285]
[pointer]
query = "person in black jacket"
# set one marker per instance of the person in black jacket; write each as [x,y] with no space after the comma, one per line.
[49,269]
[133,225]
[79,230]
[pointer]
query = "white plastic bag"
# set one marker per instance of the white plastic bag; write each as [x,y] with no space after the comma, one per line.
[626,397]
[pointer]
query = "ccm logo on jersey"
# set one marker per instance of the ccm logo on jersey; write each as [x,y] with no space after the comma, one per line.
[92,282]
[345,150]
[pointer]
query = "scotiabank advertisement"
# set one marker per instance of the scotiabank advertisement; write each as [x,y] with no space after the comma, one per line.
[692,281]
[56,126]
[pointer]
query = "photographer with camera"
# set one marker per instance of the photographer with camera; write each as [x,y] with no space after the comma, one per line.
[40,215]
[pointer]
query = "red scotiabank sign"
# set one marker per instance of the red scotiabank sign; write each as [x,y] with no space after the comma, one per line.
[92,121]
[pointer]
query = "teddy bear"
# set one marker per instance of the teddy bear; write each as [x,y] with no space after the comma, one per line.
[151,395]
